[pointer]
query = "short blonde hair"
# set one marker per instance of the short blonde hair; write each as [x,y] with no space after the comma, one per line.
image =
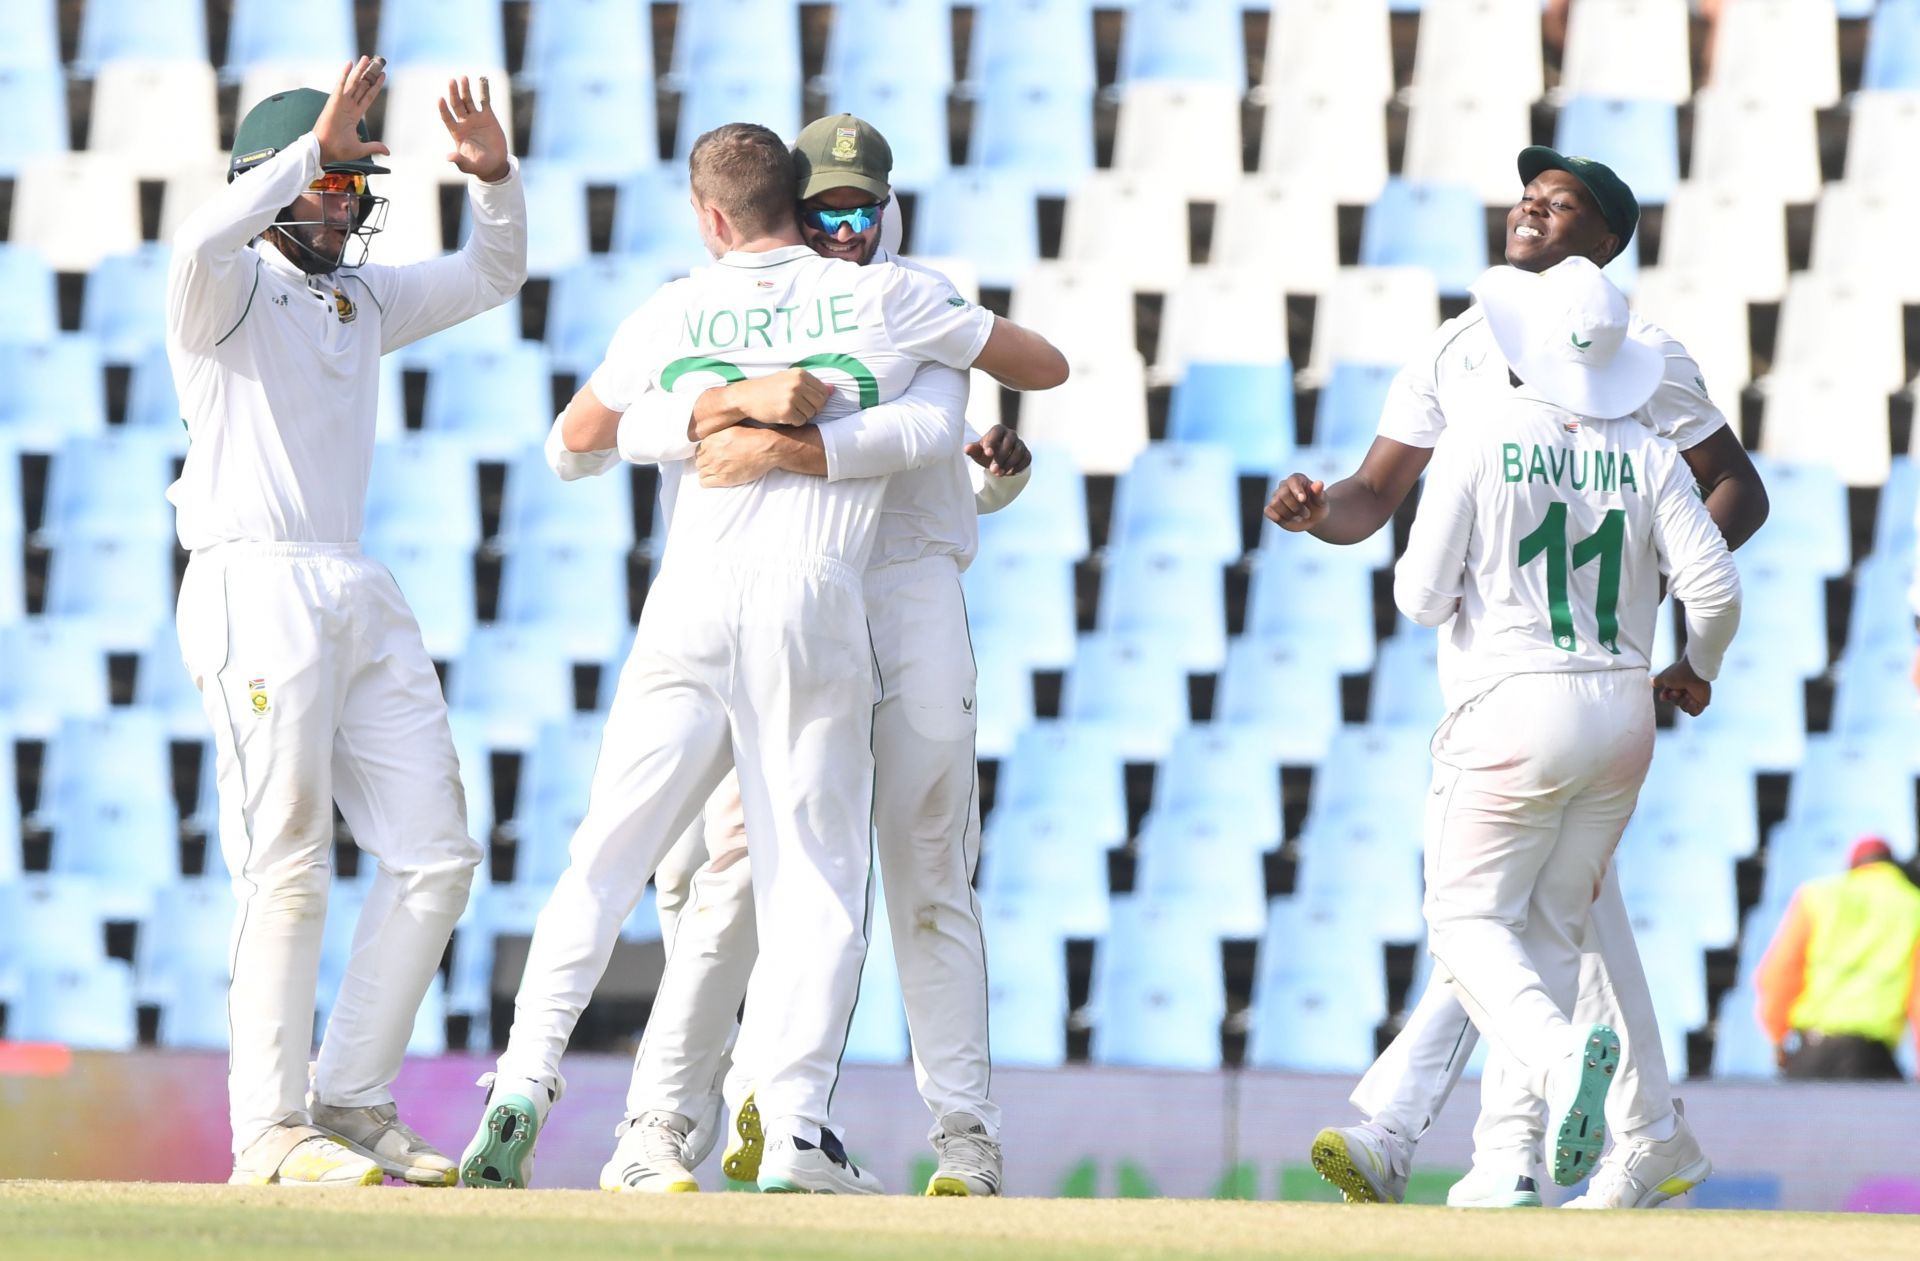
[746,173]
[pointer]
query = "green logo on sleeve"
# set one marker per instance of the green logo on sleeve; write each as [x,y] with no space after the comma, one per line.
[1577,343]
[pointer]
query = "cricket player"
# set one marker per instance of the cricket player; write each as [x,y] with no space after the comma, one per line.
[753,647]
[1546,526]
[926,813]
[1568,207]
[309,663]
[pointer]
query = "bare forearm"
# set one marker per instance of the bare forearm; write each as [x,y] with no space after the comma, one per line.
[713,411]
[1355,510]
[589,429]
[798,449]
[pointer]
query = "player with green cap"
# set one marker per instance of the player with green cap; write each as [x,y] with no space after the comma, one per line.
[310,665]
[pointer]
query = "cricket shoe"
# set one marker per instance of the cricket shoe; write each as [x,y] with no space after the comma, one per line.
[792,1165]
[1487,1186]
[969,1158]
[302,1156]
[381,1136]
[651,1157]
[1643,1172]
[746,1144]
[1369,1163]
[1576,1095]
[501,1153]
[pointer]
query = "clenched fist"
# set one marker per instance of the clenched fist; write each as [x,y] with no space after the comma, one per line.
[792,397]
[1298,503]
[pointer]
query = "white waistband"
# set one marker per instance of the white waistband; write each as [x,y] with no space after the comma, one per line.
[242,547]
[907,572]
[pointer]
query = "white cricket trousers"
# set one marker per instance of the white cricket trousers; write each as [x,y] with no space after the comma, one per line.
[927,821]
[313,675]
[1533,783]
[764,664]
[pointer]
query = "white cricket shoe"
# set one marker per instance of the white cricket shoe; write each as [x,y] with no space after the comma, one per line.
[746,1143]
[302,1156]
[1491,1186]
[1576,1095]
[1369,1163]
[381,1136]
[1640,1172]
[794,1165]
[651,1157]
[969,1158]
[501,1153]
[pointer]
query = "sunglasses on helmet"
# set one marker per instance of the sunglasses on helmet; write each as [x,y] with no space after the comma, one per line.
[340,182]
[859,218]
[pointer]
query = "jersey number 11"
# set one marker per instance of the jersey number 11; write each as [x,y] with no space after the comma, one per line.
[1605,544]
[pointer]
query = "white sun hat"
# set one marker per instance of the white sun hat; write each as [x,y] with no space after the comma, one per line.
[1564,333]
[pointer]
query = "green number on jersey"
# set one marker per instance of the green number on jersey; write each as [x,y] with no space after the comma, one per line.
[1606,544]
[727,371]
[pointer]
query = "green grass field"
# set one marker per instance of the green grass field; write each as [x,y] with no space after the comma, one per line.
[51,1221]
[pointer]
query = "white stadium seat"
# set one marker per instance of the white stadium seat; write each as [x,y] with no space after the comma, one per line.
[1470,46]
[1469,139]
[1842,327]
[1828,418]
[413,129]
[1300,32]
[1330,140]
[1786,49]
[76,209]
[1859,235]
[1185,135]
[1628,50]
[1758,141]
[1131,225]
[154,115]
[1707,318]
[1283,231]
[1733,234]
[1374,315]
[1221,314]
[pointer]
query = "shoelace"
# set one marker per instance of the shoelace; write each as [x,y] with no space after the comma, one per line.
[660,1143]
[970,1153]
[1615,1177]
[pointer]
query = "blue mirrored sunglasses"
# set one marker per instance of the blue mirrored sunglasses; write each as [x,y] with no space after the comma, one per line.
[860,218]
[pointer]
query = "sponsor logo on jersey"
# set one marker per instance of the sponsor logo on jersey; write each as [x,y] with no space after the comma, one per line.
[279,299]
[845,144]
[257,696]
[956,300]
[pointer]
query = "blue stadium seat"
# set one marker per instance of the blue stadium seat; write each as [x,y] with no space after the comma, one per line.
[1160,595]
[578,594]
[10,856]
[1815,499]
[540,508]
[152,405]
[1246,407]
[1034,856]
[556,193]
[711,100]
[56,669]
[590,38]
[915,111]
[1799,850]
[423,489]
[588,302]
[1003,687]
[1758,702]
[1027,1003]
[895,42]
[1288,695]
[1406,679]
[1859,787]
[878,1033]
[1209,868]
[1348,786]
[1785,607]
[1306,592]
[1314,1010]
[476,781]
[651,218]
[466,34]
[1158,993]
[1195,40]
[1129,684]
[735,38]
[1072,773]
[1050,516]
[30,35]
[1669,878]
[144,30]
[1370,864]
[89,1007]
[181,961]
[48,921]
[495,329]
[1741,1048]
[109,485]
[438,582]
[515,680]
[35,101]
[126,304]
[121,829]
[1893,47]
[1702,785]
[1873,699]
[1027,600]
[1640,140]
[1348,411]
[1180,497]
[55,389]
[1893,524]
[555,777]
[495,403]
[258,33]
[1441,227]
[124,586]
[1226,775]
[1679,985]
[1881,617]
[1041,131]
[1031,41]
[985,217]
[33,313]
[601,124]
[162,684]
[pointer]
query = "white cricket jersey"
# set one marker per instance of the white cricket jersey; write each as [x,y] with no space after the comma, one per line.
[1543,536]
[1461,374]
[279,393]
[864,330]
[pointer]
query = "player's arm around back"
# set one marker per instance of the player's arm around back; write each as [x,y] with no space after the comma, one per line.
[1000,465]
[1021,359]
[1699,568]
[1431,577]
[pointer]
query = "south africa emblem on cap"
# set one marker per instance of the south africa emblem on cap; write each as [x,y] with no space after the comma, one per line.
[844,144]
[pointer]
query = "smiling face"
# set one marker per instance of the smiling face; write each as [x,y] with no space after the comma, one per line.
[843,242]
[1554,220]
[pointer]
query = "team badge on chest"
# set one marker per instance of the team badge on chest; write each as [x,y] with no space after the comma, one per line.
[257,697]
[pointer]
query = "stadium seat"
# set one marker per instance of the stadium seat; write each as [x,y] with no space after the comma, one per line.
[1169,598]
[1406,680]
[1003,684]
[1708,318]
[189,186]
[121,829]
[588,302]
[1851,216]
[1893,48]
[1347,785]
[259,34]
[1858,787]
[35,101]
[1298,731]
[734,37]
[1299,33]
[1347,413]
[126,303]
[515,679]
[1219,314]
[163,685]
[556,195]
[1731,235]
[1828,416]
[1469,139]
[1050,516]
[540,508]
[1245,407]
[916,118]
[1087,308]
[48,921]
[575,593]
[651,218]
[1882,617]
[1741,1048]
[56,390]
[1180,498]
[1207,870]
[181,961]
[494,403]
[1314,1010]
[1701,785]
[152,116]
[1784,607]
[587,38]
[602,125]
[1668,877]
[56,669]
[1027,600]
[411,232]
[1026,1005]
[1158,993]
[985,217]
[124,586]
[1874,698]
[1784,49]
[891,42]
[1118,222]
[1894,527]
[1765,143]
[76,209]
[10,856]
[1279,232]
[708,102]
[33,315]
[555,777]
[1639,139]
[1072,773]
[1368,861]
[1038,856]
[109,485]
[1373,315]
[140,30]
[1339,614]
[152,406]
[1628,50]
[1879,124]
[1018,42]
[1183,135]
[1128,683]
[422,489]
[415,86]
[1442,228]
[88,1007]
[443,33]
[1099,416]
[1223,774]
[1193,41]
[1842,327]
[1758,700]
[437,580]
[1328,141]
[1038,130]
[30,35]
[1468,46]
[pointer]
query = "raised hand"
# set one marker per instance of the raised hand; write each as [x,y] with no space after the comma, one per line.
[1298,503]
[338,127]
[479,142]
[1000,452]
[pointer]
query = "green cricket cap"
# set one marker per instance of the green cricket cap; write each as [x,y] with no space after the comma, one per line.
[1610,193]
[841,151]
[279,121]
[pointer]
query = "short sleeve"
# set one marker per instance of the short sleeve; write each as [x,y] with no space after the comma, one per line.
[1412,412]
[927,318]
[638,350]
[1680,410]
